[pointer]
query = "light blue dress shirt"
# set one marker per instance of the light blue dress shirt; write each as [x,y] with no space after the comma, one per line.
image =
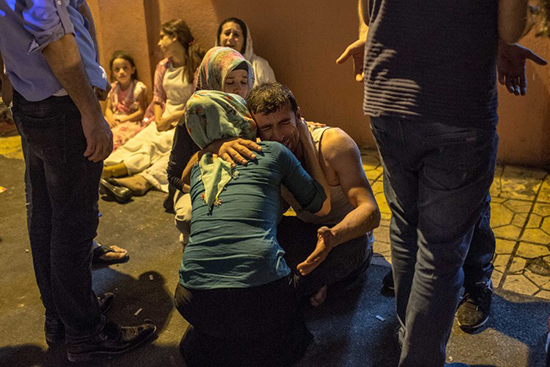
[27,27]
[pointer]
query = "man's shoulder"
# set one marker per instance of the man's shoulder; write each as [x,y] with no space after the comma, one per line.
[335,143]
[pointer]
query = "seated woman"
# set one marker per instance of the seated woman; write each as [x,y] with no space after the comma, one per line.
[234,33]
[149,150]
[222,69]
[235,287]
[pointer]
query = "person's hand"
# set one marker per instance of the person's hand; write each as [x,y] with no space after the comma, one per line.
[325,239]
[121,119]
[357,51]
[112,123]
[511,62]
[99,138]
[235,150]
[303,131]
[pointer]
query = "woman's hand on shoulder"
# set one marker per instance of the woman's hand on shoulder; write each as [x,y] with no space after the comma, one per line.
[235,150]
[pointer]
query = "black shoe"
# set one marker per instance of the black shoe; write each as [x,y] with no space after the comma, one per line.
[55,329]
[475,307]
[119,193]
[112,340]
[388,287]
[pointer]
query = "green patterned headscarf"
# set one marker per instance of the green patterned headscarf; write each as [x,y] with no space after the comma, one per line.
[216,65]
[212,115]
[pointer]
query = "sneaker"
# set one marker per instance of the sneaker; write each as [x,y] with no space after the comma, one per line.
[55,329]
[112,340]
[388,287]
[475,307]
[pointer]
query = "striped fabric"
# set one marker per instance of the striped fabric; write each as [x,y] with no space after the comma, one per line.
[432,60]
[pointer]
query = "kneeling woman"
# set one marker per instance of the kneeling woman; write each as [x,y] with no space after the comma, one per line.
[235,288]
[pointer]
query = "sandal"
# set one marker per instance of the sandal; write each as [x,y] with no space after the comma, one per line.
[98,252]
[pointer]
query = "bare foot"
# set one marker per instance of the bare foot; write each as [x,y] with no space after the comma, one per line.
[118,253]
[318,298]
[137,184]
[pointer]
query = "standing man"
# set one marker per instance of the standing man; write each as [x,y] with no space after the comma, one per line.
[432,100]
[51,60]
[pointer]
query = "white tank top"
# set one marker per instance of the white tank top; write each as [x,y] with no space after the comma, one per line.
[339,203]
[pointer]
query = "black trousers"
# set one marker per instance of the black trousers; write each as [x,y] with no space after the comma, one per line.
[257,326]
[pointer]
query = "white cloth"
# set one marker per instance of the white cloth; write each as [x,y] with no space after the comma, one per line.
[263,73]
[149,150]
[177,89]
[143,150]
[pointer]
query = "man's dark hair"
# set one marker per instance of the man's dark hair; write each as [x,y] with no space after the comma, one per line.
[270,97]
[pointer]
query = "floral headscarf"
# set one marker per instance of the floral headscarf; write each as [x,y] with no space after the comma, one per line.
[212,115]
[216,65]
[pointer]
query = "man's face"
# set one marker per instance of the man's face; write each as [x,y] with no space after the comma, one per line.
[279,126]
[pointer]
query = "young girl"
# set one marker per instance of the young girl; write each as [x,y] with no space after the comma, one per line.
[127,99]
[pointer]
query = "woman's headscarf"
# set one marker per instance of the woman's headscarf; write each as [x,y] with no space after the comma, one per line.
[212,115]
[216,65]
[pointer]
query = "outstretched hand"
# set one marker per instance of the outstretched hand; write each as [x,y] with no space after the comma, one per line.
[324,246]
[357,51]
[511,63]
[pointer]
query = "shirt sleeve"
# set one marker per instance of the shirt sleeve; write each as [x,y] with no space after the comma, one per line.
[307,192]
[47,21]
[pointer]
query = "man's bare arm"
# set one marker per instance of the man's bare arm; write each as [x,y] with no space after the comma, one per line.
[64,59]
[356,50]
[512,20]
[344,157]
[341,153]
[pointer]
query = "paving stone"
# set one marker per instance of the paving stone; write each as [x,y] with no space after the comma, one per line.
[519,284]
[500,262]
[496,277]
[518,206]
[543,294]
[382,234]
[535,235]
[10,147]
[496,186]
[382,248]
[504,246]
[518,265]
[539,280]
[544,193]
[519,220]
[509,232]
[534,221]
[520,182]
[373,174]
[542,209]
[530,251]
[497,200]
[500,215]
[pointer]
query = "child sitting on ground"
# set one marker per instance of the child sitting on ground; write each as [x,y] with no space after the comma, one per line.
[126,103]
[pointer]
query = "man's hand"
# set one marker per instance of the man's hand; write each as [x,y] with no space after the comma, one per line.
[235,150]
[357,51]
[511,62]
[99,138]
[324,246]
